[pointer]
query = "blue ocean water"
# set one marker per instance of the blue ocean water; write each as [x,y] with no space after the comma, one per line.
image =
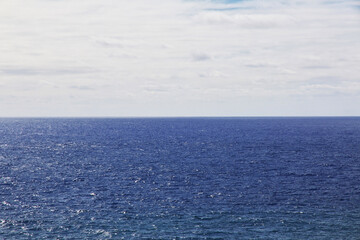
[180,178]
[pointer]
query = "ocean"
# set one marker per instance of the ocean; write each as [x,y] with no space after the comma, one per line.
[180,178]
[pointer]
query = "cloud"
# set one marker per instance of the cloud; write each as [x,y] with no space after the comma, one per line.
[244,20]
[110,43]
[213,74]
[317,67]
[200,56]
[81,87]
[45,71]
[133,55]
[257,65]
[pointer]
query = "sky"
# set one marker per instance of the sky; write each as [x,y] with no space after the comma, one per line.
[143,58]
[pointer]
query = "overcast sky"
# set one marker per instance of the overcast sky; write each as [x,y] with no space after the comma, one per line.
[179,58]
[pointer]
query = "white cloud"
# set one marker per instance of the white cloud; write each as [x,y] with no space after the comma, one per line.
[245,20]
[213,74]
[176,57]
[200,56]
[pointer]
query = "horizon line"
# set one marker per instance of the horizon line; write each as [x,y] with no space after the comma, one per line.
[168,117]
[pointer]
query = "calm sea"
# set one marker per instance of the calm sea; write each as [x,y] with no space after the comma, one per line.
[180,178]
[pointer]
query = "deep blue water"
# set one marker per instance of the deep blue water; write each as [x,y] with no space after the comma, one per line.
[180,178]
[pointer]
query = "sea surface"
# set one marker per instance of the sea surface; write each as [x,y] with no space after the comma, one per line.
[180,178]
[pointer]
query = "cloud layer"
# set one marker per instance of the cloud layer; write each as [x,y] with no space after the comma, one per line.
[179,58]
